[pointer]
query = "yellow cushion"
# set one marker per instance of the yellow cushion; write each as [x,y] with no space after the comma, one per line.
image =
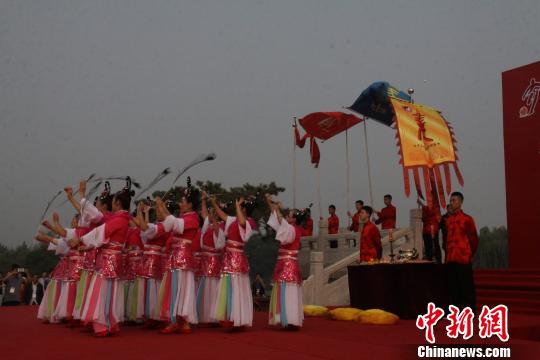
[314,310]
[345,314]
[377,317]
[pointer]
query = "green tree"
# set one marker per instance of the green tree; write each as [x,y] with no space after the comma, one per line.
[35,258]
[492,248]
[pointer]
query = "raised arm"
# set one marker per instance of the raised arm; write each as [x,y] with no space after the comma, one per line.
[204,207]
[239,213]
[58,228]
[141,222]
[220,213]
[69,192]
[161,209]
[48,225]
[82,189]
[274,207]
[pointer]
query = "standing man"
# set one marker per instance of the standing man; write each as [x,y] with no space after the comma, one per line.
[461,245]
[387,216]
[333,225]
[370,238]
[13,282]
[33,292]
[430,231]
[356,224]
[333,220]
[308,224]
[355,218]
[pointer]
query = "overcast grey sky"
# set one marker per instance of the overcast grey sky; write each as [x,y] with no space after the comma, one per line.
[130,87]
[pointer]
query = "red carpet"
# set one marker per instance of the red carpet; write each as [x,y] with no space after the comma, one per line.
[24,337]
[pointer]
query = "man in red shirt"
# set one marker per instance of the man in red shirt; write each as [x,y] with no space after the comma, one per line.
[431,216]
[333,225]
[387,216]
[333,220]
[370,238]
[308,224]
[355,218]
[461,245]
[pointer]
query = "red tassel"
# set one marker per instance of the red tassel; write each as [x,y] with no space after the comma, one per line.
[447,178]
[416,176]
[458,174]
[300,142]
[314,152]
[427,186]
[406,182]
[440,188]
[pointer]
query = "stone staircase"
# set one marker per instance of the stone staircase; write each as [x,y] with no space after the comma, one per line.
[519,289]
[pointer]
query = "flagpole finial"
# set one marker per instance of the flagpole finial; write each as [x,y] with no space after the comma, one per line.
[410,91]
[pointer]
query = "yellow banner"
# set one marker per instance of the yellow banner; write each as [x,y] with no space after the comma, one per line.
[424,135]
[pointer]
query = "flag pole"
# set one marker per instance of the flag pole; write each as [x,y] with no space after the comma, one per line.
[294,162]
[319,190]
[368,164]
[348,174]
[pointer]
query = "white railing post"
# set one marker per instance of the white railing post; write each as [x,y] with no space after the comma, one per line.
[317,271]
[323,231]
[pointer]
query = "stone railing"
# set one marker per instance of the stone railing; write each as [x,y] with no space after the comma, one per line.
[326,267]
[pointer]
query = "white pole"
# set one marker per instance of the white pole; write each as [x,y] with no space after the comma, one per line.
[294,162]
[319,190]
[348,174]
[368,164]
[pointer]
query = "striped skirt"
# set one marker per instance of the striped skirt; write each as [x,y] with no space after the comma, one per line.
[234,300]
[286,307]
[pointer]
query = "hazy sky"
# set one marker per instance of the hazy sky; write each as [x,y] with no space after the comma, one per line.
[131,87]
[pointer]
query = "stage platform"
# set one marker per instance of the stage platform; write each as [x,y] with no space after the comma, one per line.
[24,337]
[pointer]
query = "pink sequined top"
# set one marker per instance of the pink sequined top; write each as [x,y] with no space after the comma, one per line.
[210,263]
[185,233]
[287,268]
[234,259]
[109,256]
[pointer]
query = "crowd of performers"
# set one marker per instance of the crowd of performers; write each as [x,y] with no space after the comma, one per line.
[165,271]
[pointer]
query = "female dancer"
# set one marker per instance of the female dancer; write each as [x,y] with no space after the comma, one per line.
[51,296]
[103,306]
[177,291]
[132,269]
[234,306]
[212,243]
[286,308]
[151,273]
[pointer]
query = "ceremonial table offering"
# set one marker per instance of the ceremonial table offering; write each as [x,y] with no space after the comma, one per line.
[403,289]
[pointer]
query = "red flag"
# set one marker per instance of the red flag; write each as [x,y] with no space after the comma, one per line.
[324,125]
[300,141]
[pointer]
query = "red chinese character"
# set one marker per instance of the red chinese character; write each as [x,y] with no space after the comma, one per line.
[494,322]
[460,323]
[429,320]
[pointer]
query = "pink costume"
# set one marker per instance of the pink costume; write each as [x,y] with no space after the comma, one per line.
[58,275]
[177,291]
[234,301]
[211,245]
[132,268]
[68,290]
[103,306]
[286,307]
[90,218]
[154,256]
